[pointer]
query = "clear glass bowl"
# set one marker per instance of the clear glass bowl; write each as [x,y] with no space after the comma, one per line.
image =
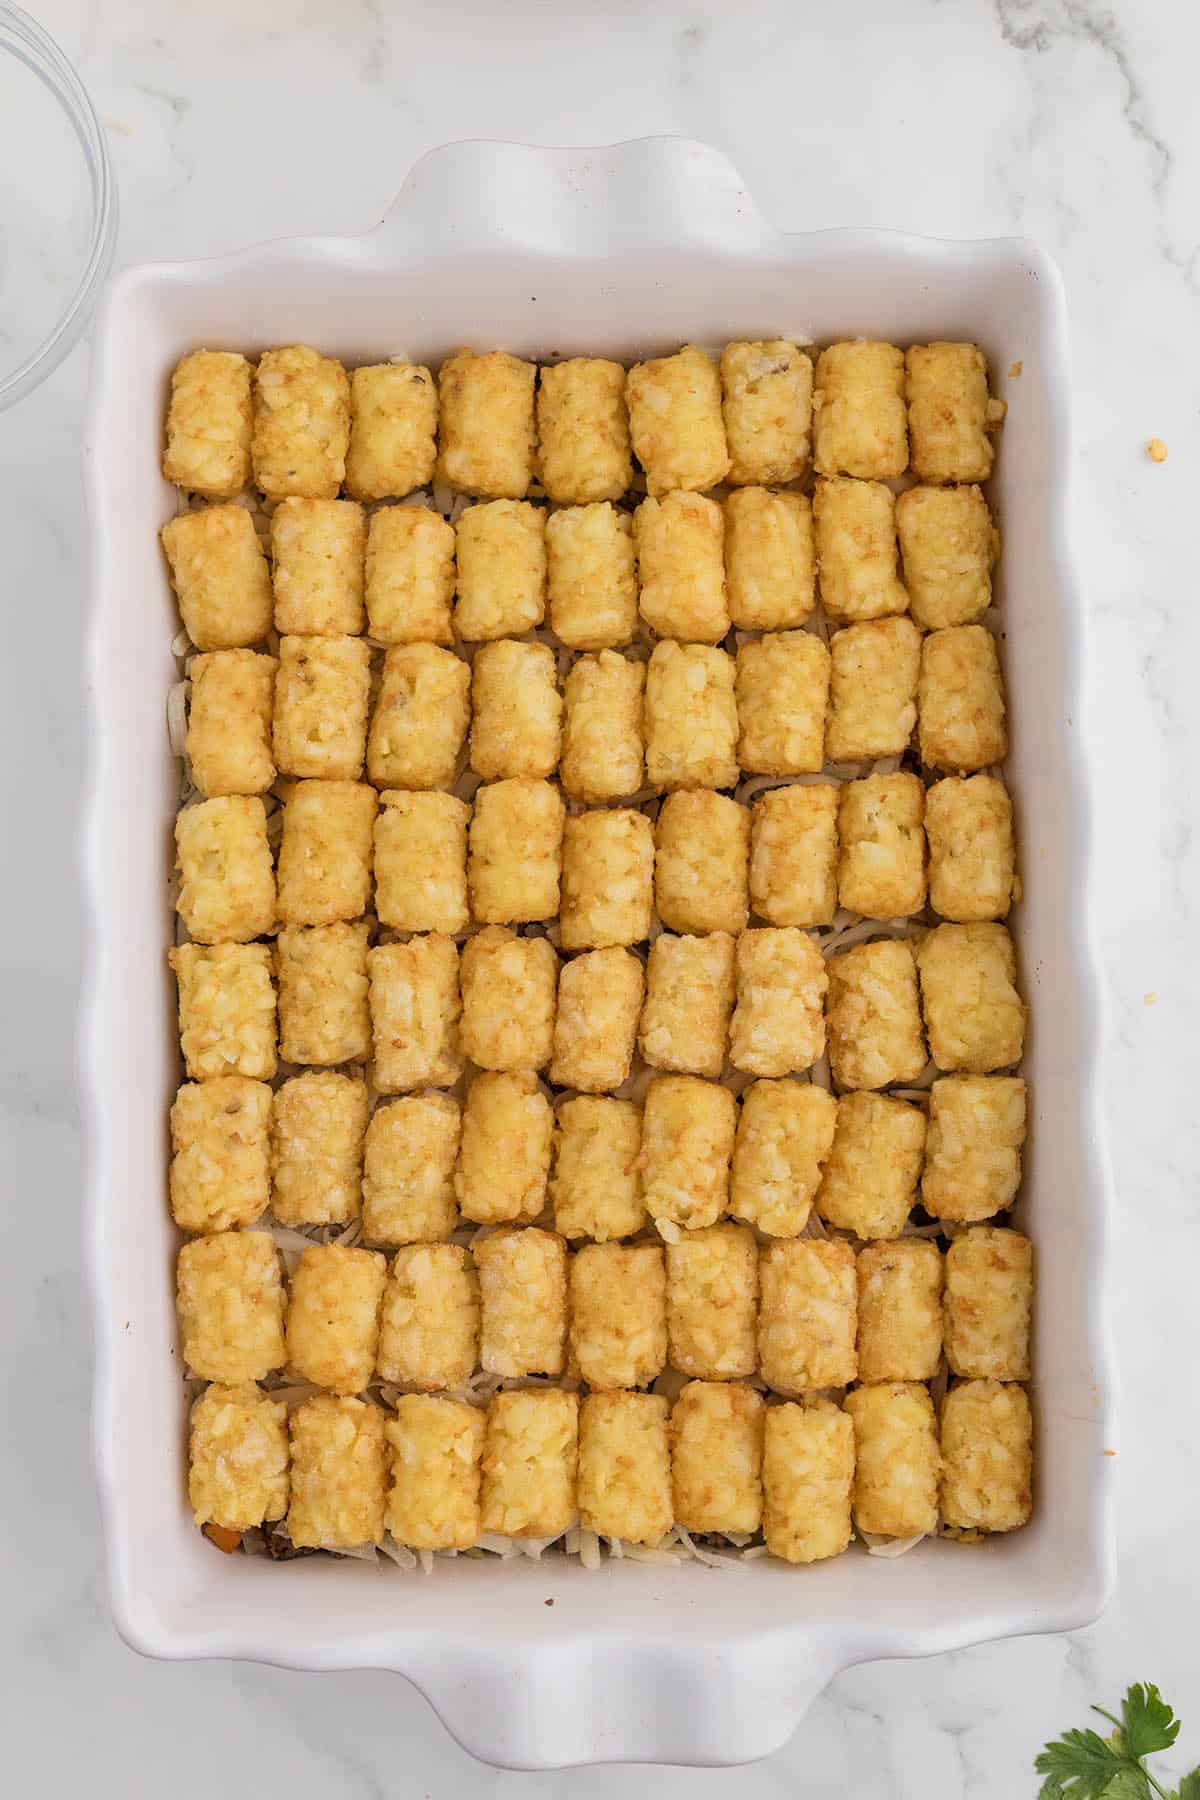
[58,205]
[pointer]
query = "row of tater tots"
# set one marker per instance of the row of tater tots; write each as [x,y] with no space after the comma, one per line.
[880,1010]
[807,1313]
[438,1474]
[692,716]
[301,426]
[881,846]
[416,1167]
[685,566]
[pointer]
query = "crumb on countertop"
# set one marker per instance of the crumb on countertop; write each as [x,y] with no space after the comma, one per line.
[1150,999]
[1156,450]
[1015,370]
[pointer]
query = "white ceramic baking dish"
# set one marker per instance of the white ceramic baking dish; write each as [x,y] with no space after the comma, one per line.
[617,251]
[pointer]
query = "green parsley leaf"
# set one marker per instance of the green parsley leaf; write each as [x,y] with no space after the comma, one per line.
[1081,1766]
[1147,1722]
[1130,1784]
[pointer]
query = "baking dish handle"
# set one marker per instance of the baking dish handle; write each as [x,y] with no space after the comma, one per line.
[704,1705]
[650,194]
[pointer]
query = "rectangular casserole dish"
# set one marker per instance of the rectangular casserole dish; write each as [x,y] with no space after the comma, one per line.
[618,252]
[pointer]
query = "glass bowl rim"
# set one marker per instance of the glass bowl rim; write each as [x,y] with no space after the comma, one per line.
[22,37]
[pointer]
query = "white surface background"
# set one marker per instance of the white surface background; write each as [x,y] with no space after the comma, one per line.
[243,119]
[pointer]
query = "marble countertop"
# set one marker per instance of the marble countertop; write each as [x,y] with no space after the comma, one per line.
[1067,120]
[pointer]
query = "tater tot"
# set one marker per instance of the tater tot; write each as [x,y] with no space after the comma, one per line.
[782,696]
[338,1473]
[226,1009]
[429,1325]
[317,549]
[972,861]
[321,697]
[596,1186]
[437,1448]
[501,551]
[855,525]
[689,997]
[226,876]
[688,1129]
[317,1148]
[421,861]
[238,1457]
[807,1316]
[602,754]
[712,1302]
[486,436]
[324,1016]
[230,1298]
[869,1185]
[229,722]
[988,1304]
[973,1013]
[208,424]
[873,671]
[899,1310]
[778,1025]
[947,546]
[960,700]
[701,862]
[419,725]
[333,1316]
[875,1035]
[408,1170]
[301,423]
[509,984]
[583,431]
[325,855]
[973,1149]
[767,406]
[691,717]
[716,1457]
[393,430]
[530,1463]
[599,1002]
[770,561]
[808,1473]
[504,1156]
[516,708]
[220,1153]
[410,576]
[897,1462]
[784,1135]
[415,1010]
[591,578]
[859,422]
[987,1457]
[625,1466]
[523,1294]
[881,865]
[675,421]
[681,567]
[607,879]
[948,412]
[514,851]
[220,577]
[618,1307]
[794,854]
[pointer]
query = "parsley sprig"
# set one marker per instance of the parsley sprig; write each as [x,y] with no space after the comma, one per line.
[1082,1765]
